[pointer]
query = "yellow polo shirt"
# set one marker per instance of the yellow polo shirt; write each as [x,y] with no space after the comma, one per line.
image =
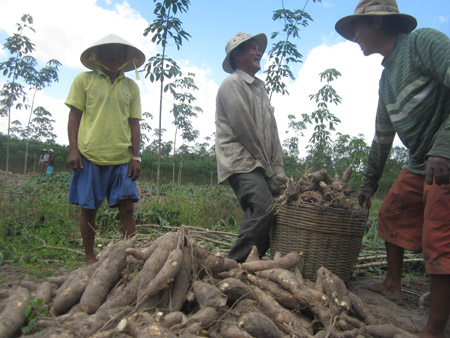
[104,136]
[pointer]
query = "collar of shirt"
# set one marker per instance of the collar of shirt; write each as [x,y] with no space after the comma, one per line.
[249,79]
[102,73]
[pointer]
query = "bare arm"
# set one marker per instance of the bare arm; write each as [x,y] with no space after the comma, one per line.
[134,168]
[75,161]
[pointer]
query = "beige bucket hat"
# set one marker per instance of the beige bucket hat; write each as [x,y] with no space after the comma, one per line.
[261,41]
[135,57]
[371,8]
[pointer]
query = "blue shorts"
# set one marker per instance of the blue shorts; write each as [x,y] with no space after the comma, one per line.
[90,185]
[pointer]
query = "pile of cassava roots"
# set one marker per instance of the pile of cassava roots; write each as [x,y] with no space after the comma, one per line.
[173,287]
[319,189]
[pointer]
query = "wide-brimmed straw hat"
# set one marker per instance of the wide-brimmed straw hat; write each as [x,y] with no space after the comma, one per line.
[373,8]
[135,57]
[239,38]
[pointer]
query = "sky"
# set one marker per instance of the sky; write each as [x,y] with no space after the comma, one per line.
[65,28]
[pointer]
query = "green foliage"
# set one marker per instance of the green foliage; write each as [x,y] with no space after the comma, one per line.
[20,69]
[36,219]
[165,28]
[34,310]
[200,206]
[161,67]
[324,121]
[284,52]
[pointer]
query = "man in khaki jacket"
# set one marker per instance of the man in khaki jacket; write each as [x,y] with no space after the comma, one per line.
[248,149]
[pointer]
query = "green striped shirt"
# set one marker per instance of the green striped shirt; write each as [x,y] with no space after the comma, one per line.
[414,103]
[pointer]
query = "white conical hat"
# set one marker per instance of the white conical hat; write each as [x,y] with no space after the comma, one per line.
[135,57]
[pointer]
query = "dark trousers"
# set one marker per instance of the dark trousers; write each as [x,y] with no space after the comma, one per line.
[255,199]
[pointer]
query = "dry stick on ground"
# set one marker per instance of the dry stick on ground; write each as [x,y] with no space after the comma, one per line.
[374,264]
[44,245]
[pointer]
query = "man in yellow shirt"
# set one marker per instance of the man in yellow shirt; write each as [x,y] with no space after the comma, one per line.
[104,136]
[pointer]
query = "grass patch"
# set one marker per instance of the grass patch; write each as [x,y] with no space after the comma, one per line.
[39,229]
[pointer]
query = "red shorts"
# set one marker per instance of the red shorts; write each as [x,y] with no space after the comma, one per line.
[416,216]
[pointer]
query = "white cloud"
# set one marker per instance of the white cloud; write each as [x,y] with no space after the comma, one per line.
[357,86]
[443,19]
[64,29]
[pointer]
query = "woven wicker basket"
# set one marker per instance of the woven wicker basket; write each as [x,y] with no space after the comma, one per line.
[330,238]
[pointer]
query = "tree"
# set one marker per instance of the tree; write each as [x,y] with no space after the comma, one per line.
[183,111]
[352,151]
[165,28]
[292,143]
[20,69]
[284,52]
[39,81]
[319,147]
[39,128]
[145,128]
[19,66]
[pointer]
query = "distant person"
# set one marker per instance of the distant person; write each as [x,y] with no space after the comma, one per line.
[51,162]
[104,136]
[248,149]
[44,159]
[414,103]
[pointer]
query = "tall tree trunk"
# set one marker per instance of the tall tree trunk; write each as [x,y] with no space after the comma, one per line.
[28,136]
[174,154]
[180,170]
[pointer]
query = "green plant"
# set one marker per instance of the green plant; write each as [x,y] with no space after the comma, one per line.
[165,28]
[34,310]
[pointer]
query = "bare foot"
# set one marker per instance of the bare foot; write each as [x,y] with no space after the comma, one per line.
[387,292]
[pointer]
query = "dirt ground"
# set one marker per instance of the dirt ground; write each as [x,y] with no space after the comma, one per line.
[409,314]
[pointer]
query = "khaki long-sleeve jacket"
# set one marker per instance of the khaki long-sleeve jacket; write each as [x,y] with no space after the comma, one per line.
[246,130]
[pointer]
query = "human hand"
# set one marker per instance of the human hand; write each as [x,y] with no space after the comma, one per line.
[134,169]
[274,185]
[364,198]
[437,168]
[75,160]
[282,178]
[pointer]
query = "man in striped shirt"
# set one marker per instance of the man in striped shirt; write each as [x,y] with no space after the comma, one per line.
[414,103]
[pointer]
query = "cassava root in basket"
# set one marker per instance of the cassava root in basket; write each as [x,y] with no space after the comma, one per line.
[191,297]
[319,189]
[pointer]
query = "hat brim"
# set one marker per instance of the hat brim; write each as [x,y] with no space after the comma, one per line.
[134,54]
[261,41]
[346,28]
